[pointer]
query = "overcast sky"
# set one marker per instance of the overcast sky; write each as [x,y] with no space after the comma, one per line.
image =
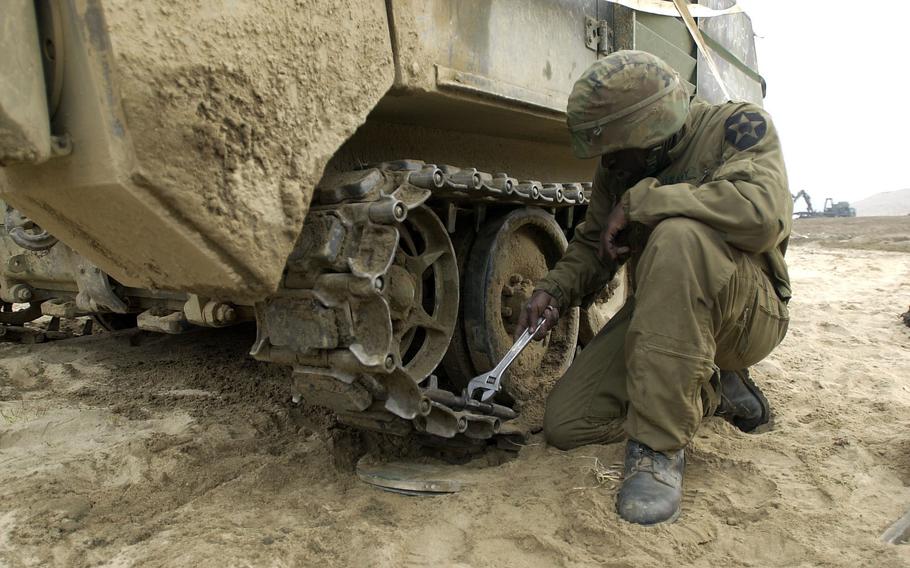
[838,74]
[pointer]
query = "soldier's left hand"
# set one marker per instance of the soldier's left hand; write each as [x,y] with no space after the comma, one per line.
[616,221]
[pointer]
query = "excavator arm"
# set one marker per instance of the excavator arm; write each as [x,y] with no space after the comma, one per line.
[802,193]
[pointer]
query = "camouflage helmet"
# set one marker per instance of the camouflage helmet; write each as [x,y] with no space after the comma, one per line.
[628,99]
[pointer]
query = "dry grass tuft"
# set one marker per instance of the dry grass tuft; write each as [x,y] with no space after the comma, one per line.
[608,476]
[21,412]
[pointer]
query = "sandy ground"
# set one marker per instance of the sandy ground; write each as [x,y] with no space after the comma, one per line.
[142,450]
[868,233]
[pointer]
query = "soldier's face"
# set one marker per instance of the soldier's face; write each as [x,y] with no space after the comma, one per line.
[631,163]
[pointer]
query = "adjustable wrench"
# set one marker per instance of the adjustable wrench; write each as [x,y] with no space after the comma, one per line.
[488,384]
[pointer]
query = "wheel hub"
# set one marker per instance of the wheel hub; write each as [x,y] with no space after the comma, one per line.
[515,296]
[402,291]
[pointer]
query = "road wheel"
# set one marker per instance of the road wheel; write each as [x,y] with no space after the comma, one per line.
[422,291]
[508,256]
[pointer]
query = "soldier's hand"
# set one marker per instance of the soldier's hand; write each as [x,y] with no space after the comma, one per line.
[540,304]
[616,222]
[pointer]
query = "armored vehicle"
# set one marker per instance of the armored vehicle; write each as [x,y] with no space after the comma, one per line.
[375,183]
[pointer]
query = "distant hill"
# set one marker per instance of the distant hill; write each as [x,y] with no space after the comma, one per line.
[886,203]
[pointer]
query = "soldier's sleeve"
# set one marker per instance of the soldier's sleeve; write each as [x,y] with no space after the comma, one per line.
[747,199]
[580,272]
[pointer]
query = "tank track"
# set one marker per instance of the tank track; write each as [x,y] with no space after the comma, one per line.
[469,184]
[352,284]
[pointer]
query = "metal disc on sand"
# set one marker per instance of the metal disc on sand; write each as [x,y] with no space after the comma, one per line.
[425,480]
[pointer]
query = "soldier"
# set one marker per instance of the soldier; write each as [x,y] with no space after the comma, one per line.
[694,199]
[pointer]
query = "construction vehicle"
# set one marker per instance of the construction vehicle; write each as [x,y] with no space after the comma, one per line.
[830,209]
[810,211]
[358,177]
[839,209]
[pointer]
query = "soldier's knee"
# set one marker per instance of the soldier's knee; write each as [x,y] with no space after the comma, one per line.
[559,438]
[558,432]
[573,433]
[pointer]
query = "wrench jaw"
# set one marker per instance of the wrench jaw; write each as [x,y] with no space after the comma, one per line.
[482,388]
[489,383]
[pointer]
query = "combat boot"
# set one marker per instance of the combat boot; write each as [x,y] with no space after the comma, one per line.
[651,489]
[742,403]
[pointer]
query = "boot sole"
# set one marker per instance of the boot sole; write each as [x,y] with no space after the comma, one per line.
[672,519]
[750,425]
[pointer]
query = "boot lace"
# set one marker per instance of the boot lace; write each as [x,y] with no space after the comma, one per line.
[646,459]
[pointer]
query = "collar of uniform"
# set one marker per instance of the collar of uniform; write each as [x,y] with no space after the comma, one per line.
[688,133]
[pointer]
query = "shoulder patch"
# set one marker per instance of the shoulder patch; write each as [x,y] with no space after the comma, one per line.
[744,129]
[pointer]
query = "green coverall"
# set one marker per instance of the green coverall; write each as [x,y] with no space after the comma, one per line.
[710,285]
